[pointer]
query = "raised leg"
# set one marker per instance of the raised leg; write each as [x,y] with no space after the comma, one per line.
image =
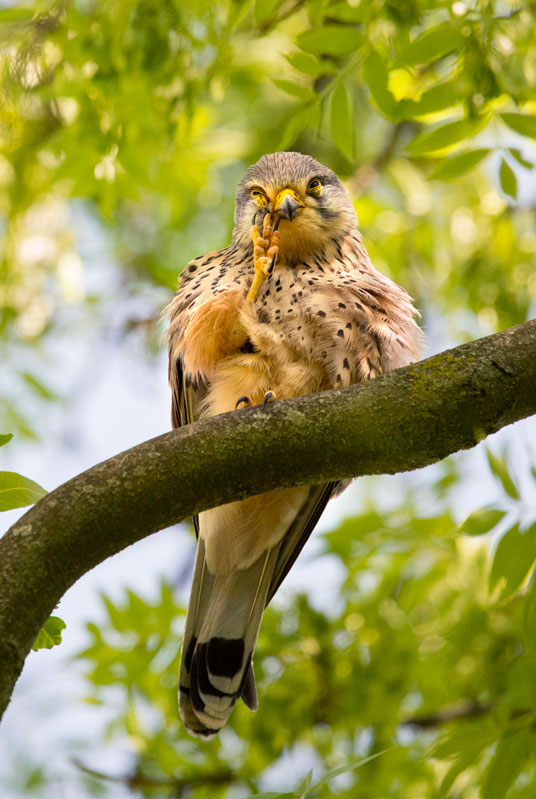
[265,251]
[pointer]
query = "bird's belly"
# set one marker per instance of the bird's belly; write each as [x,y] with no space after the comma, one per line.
[254,375]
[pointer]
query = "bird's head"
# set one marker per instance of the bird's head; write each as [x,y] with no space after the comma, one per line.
[306,197]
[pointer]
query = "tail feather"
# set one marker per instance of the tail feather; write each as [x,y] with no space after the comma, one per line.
[221,631]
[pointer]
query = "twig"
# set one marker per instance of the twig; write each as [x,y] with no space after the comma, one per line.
[460,710]
[139,780]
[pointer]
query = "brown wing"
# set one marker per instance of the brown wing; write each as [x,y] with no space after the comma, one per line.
[186,398]
[299,532]
[186,395]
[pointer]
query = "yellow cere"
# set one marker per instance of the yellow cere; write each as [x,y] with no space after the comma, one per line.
[285,193]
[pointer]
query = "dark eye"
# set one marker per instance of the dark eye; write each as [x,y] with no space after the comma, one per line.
[314,187]
[259,197]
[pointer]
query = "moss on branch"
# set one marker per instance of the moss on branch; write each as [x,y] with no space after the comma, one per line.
[405,420]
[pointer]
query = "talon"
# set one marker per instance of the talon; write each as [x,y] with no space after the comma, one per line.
[269,397]
[245,401]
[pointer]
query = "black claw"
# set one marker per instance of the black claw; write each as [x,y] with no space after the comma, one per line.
[268,397]
[276,224]
[242,399]
[270,267]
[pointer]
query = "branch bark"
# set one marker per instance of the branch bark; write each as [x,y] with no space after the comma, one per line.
[404,420]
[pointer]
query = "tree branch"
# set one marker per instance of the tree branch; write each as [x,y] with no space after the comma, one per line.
[176,785]
[401,421]
[466,709]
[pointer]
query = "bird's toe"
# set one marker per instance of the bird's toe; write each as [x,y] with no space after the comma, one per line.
[243,402]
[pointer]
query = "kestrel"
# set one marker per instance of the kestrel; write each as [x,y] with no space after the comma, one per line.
[292,306]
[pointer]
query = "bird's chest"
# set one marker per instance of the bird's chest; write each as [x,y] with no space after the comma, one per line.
[301,311]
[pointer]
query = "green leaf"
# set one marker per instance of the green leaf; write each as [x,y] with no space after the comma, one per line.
[529,623]
[341,120]
[50,634]
[265,10]
[508,179]
[499,469]
[513,559]
[508,760]
[272,795]
[376,76]
[429,46]
[525,124]
[17,491]
[482,521]
[305,784]
[459,764]
[445,135]
[13,15]
[38,387]
[5,438]
[349,13]
[352,765]
[294,89]
[331,40]
[300,119]
[309,65]
[237,12]
[437,98]
[472,737]
[518,155]
[459,164]
[315,12]
[118,617]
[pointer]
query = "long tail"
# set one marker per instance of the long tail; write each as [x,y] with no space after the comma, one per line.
[222,626]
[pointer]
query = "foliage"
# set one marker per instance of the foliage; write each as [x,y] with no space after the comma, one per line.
[49,634]
[141,117]
[17,491]
[423,660]
[134,120]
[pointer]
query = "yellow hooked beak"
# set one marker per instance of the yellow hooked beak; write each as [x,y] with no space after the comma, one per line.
[287,204]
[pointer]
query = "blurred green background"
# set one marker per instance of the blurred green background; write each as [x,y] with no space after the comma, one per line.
[124,129]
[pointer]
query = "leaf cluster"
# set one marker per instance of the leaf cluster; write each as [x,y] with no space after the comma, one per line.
[415,677]
[139,121]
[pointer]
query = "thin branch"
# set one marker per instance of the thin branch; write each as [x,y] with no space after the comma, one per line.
[404,420]
[461,710]
[178,785]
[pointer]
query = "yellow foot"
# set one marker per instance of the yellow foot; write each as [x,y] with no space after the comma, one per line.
[265,252]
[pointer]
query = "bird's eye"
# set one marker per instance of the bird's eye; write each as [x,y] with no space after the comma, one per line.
[314,187]
[259,197]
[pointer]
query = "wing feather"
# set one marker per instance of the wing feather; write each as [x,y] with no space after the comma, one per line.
[299,532]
